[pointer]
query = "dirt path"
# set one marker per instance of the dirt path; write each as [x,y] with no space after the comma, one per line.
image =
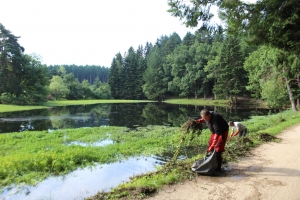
[270,171]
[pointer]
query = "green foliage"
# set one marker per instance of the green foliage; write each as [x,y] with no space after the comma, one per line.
[266,22]
[126,74]
[226,68]
[74,86]
[256,71]
[86,89]
[275,93]
[23,77]
[87,72]
[270,65]
[191,12]
[154,87]
[103,92]
[114,80]
[58,88]
[11,57]
[187,64]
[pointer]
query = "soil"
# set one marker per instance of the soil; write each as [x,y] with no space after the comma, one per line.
[270,171]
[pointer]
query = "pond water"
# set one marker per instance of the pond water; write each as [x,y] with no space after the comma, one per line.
[87,182]
[129,115]
[83,183]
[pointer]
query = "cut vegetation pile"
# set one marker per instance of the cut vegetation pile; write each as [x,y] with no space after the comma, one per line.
[191,126]
[265,137]
[242,145]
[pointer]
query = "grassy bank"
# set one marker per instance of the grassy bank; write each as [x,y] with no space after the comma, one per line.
[260,129]
[13,108]
[217,102]
[207,102]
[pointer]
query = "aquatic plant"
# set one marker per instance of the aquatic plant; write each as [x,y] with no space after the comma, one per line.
[30,157]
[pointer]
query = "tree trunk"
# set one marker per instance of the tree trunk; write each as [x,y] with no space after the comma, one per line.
[231,100]
[291,95]
[215,95]
[298,99]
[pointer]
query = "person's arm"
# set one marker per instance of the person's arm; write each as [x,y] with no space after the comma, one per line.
[214,142]
[234,134]
[200,120]
[237,132]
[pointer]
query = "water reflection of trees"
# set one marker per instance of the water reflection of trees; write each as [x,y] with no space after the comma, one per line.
[129,115]
[24,120]
[239,114]
[81,116]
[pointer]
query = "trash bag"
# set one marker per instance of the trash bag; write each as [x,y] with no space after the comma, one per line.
[206,165]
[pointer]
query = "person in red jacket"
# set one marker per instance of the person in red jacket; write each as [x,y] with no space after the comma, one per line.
[219,132]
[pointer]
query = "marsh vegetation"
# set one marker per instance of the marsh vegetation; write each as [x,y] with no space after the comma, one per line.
[31,157]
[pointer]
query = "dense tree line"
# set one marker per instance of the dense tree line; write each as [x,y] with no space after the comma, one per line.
[199,65]
[256,53]
[65,85]
[87,72]
[273,26]
[23,79]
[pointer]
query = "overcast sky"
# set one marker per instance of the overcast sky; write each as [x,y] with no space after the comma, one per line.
[89,32]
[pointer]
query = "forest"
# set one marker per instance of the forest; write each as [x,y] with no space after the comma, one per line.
[256,53]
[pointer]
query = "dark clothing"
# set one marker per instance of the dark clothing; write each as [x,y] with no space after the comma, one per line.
[219,132]
[243,132]
[217,124]
[219,129]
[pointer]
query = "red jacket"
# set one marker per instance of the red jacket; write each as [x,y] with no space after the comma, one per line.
[219,132]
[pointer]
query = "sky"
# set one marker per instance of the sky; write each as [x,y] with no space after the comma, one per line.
[90,32]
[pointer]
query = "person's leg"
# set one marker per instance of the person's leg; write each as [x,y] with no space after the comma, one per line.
[241,133]
[245,132]
[220,147]
[220,160]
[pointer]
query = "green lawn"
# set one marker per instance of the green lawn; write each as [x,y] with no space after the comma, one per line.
[12,108]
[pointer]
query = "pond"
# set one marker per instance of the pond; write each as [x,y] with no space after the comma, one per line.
[128,115]
[87,182]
